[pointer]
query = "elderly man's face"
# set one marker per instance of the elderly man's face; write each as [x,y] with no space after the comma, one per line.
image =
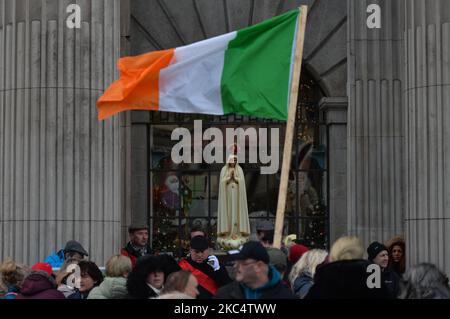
[246,270]
[139,237]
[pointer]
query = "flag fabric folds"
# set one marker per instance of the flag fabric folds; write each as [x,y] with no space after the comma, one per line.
[246,72]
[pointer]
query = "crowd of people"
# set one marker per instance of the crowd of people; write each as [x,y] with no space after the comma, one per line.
[256,271]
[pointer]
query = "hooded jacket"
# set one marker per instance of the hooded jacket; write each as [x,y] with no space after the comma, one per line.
[110,288]
[273,289]
[39,285]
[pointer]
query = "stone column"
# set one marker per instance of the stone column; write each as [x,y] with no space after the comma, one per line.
[375,122]
[335,116]
[59,166]
[125,131]
[427,118]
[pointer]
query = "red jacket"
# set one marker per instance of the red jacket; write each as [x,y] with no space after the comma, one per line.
[132,253]
[133,258]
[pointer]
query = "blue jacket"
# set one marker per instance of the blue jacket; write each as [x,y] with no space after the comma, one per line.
[274,278]
[12,293]
[274,289]
[56,259]
[302,284]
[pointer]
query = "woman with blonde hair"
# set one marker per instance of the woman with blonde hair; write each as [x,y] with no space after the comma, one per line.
[302,274]
[11,277]
[114,286]
[347,248]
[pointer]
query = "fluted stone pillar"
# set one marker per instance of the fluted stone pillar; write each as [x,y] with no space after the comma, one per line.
[335,117]
[59,166]
[375,122]
[427,118]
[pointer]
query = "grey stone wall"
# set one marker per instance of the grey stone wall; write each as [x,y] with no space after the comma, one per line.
[59,166]
[375,155]
[427,118]
[335,116]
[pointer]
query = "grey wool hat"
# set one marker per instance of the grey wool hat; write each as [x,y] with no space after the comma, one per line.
[134,227]
[73,245]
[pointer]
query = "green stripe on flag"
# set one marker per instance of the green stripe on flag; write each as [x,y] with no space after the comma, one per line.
[256,72]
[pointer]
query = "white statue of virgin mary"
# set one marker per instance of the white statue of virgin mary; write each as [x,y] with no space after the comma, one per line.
[233,226]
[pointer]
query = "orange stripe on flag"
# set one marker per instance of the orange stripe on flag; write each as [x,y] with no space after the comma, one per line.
[138,85]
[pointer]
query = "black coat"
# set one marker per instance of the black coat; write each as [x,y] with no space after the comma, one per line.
[392,281]
[234,290]
[346,279]
[136,282]
[220,277]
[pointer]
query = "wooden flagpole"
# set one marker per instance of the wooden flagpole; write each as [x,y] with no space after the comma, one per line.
[290,125]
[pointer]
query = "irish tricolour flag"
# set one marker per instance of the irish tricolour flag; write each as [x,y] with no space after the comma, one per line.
[246,72]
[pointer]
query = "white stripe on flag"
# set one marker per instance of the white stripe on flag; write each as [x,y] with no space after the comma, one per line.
[191,83]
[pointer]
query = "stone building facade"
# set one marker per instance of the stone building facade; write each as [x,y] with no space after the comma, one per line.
[384,103]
